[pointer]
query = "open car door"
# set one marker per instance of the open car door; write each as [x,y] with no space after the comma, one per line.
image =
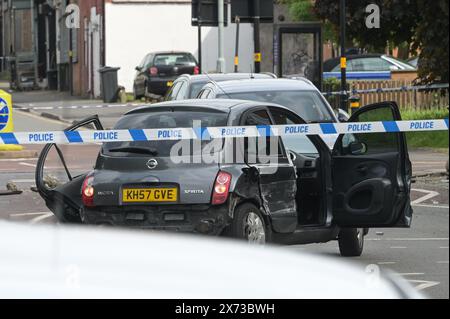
[58,183]
[372,173]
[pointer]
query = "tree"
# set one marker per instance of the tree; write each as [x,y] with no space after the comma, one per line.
[419,25]
[431,40]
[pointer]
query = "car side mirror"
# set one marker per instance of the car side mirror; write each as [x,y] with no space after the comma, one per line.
[342,118]
[137,68]
[357,148]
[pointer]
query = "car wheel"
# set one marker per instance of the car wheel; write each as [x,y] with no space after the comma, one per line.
[135,95]
[248,224]
[146,91]
[351,242]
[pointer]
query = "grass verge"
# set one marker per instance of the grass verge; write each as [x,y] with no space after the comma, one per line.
[433,139]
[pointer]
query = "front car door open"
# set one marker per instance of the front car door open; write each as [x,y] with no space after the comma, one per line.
[57,182]
[371,173]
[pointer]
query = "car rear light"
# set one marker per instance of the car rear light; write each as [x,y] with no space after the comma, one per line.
[196,70]
[153,70]
[221,188]
[87,191]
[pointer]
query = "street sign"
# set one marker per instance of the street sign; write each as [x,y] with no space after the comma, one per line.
[6,121]
[208,12]
[245,10]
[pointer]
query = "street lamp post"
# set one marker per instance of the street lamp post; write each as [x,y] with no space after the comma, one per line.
[344,97]
[256,29]
[221,59]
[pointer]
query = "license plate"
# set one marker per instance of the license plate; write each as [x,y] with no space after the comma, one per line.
[170,83]
[149,195]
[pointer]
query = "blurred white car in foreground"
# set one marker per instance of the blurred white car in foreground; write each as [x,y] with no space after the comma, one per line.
[67,262]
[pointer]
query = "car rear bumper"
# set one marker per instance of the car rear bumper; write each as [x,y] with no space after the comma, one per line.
[203,219]
[159,85]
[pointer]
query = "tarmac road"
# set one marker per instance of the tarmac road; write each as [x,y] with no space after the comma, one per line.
[420,254]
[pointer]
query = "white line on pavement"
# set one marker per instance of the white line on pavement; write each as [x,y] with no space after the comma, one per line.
[398,247]
[444,247]
[430,206]
[424,284]
[23,181]
[27,214]
[27,164]
[41,218]
[406,239]
[17,159]
[410,274]
[442,262]
[386,262]
[430,194]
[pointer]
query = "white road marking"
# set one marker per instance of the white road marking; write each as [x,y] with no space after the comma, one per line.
[398,247]
[23,181]
[41,218]
[27,164]
[27,214]
[424,284]
[430,206]
[444,247]
[386,262]
[406,239]
[17,159]
[410,274]
[442,262]
[430,194]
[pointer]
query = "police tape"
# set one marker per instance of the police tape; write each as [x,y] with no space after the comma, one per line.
[207,133]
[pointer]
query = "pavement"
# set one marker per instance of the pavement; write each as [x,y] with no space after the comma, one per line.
[65,108]
[419,254]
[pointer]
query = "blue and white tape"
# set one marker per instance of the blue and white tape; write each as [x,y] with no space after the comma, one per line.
[87,136]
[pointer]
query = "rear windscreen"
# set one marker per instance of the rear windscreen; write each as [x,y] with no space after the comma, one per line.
[160,120]
[173,59]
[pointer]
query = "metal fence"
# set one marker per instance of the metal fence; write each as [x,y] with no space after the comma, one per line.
[405,93]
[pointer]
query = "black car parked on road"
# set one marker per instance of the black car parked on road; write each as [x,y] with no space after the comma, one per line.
[295,198]
[188,86]
[157,71]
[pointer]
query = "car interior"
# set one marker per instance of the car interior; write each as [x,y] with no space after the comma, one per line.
[310,197]
[305,157]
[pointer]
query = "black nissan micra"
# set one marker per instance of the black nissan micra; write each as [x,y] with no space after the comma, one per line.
[289,190]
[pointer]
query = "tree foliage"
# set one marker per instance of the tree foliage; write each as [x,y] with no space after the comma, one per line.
[420,24]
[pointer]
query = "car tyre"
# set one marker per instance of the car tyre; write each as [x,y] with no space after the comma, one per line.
[351,242]
[249,224]
[135,95]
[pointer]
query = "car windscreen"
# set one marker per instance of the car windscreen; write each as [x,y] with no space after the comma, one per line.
[309,105]
[165,120]
[173,59]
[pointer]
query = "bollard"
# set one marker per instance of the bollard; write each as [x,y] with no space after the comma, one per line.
[354,103]
[6,120]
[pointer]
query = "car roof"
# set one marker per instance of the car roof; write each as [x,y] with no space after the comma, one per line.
[258,85]
[224,105]
[331,63]
[51,248]
[227,76]
[169,52]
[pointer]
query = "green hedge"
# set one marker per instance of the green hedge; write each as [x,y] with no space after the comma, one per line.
[435,139]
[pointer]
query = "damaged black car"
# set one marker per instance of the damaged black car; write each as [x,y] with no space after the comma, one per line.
[286,190]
